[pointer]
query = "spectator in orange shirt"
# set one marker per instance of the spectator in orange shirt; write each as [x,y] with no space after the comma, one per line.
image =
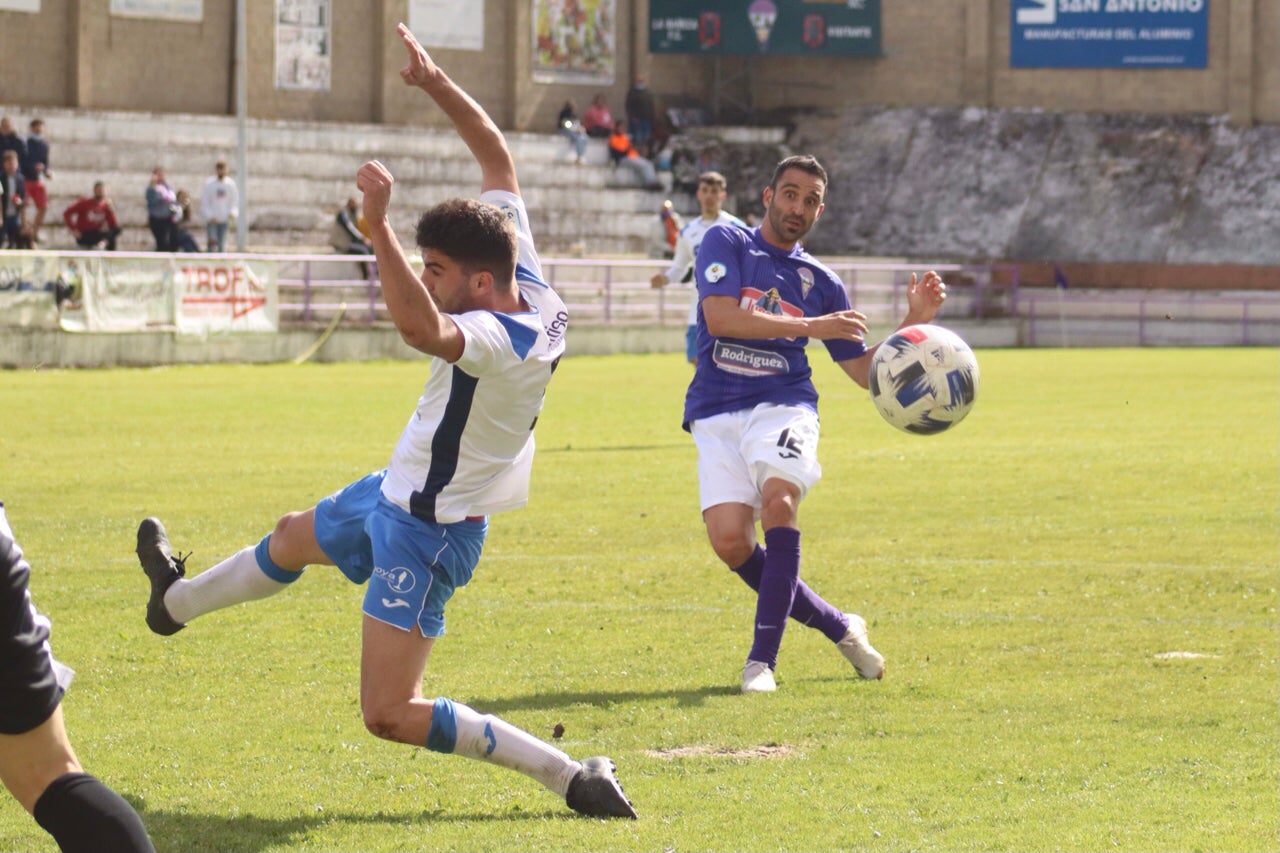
[623,153]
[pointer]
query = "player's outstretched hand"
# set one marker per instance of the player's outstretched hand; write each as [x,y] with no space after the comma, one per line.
[421,70]
[847,325]
[926,295]
[375,182]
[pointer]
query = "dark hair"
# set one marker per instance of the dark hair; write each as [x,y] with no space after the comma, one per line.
[803,162]
[475,234]
[715,179]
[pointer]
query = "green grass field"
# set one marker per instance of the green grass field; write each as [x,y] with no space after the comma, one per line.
[1076,592]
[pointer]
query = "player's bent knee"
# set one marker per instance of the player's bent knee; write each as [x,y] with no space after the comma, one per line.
[732,547]
[386,722]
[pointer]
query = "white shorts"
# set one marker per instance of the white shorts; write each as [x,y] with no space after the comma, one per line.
[738,451]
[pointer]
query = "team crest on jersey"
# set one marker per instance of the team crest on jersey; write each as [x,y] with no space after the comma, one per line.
[806,281]
[714,272]
[511,213]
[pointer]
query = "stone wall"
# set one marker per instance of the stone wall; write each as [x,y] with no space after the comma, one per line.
[975,184]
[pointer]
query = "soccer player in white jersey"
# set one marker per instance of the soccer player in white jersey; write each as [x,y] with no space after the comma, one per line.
[711,193]
[753,410]
[414,531]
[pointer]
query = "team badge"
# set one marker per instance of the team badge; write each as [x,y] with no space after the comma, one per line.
[715,272]
[806,281]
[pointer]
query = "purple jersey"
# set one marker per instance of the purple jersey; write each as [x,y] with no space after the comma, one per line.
[734,374]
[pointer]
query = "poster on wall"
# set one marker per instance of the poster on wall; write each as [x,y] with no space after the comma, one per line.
[1109,34]
[20,5]
[455,24]
[303,41]
[574,41]
[168,10]
[765,27]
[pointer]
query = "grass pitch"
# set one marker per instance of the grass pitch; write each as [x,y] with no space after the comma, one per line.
[1076,592]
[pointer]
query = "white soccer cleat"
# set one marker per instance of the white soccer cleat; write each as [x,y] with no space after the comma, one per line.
[857,648]
[758,678]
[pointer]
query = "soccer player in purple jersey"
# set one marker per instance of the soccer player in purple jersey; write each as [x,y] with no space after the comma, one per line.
[753,410]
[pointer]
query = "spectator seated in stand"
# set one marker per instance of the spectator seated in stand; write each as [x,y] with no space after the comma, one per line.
[568,126]
[92,220]
[624,154]
[597,121]
[345,235]
[182,239]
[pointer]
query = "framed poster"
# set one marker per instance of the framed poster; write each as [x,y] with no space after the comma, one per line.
[303,40]
[574,41]
[455,24]
[169,10]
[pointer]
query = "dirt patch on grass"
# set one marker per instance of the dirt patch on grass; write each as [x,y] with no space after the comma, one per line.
[770,751]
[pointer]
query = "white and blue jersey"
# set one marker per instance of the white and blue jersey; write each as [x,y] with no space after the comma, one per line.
[415,530]
[734,374]
[681,269]
[468,447]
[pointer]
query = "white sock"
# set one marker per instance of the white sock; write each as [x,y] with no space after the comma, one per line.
[487,738]
[235,580]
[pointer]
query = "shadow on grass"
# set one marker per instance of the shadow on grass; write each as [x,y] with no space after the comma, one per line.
[187,831]
[604,699]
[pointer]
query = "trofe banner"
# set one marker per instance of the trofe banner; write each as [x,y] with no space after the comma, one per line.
[214,297]
[1109,33]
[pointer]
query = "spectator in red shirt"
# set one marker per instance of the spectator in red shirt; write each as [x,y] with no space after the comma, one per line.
[92,220]
[597,121]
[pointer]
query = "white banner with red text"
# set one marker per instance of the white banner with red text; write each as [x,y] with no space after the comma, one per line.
[119,292]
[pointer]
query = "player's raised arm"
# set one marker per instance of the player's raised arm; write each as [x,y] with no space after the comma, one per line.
[477,129]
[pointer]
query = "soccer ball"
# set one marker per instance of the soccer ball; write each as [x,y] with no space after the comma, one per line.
[923,379]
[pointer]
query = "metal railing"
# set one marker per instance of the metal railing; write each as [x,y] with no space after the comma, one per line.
[618,292]
[1065,317]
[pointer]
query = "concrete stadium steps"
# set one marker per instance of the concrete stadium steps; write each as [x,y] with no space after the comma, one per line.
[301,172]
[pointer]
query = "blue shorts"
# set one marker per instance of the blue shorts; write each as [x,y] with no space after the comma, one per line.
[412,566]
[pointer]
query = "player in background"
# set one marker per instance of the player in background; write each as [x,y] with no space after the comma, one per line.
[711,194]
[495,332]
[37,763]
[752,406]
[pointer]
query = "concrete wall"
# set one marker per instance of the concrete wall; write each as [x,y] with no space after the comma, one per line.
[937,53]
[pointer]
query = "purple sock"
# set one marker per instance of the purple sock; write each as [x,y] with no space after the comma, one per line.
[778,580]
[808,608]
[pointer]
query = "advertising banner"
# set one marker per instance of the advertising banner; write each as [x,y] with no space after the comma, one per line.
[28,288]
[215,297]
[1109,34]
[138,293]
[765,27]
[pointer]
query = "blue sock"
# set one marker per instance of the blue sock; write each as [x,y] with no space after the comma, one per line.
[808,608]
[778,580]
[442,736]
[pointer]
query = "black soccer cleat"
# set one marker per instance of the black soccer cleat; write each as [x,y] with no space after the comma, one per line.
[595,791]
[162,569]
